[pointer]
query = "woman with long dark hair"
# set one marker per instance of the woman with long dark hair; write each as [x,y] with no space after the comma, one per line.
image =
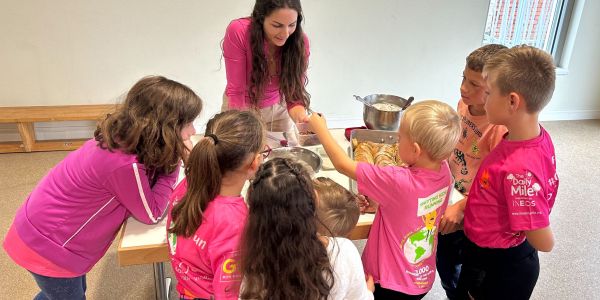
[266,57]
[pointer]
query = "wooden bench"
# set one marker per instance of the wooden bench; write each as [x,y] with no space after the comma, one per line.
[26,116]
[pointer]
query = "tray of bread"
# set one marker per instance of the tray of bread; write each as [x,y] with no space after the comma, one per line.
[376,147]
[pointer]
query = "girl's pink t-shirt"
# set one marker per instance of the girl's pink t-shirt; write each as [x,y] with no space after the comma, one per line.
[400,250]
[514,191]
[205,263]
[237,53]
[31,260]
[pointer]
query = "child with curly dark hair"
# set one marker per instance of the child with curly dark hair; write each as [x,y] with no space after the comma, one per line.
[282,255]
[72,216]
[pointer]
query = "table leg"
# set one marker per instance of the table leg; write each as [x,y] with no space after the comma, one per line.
[161,283]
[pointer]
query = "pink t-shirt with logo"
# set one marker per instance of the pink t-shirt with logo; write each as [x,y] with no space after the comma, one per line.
[514,191]
[205,263]
[400,250]
[478,138]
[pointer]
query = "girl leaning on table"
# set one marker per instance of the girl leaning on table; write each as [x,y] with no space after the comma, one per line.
[128,169]
[208,213]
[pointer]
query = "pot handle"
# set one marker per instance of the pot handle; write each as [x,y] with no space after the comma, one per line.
[408,102]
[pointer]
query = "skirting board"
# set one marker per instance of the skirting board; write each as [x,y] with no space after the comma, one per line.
[73,130]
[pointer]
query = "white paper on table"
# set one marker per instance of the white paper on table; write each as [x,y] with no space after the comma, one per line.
[455,196]
[140,234]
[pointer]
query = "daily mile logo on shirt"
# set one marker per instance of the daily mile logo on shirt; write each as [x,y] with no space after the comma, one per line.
[522,188]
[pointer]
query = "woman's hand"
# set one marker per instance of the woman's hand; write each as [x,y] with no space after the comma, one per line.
[298,114]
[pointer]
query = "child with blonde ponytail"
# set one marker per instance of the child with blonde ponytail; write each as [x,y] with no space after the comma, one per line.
[208,213]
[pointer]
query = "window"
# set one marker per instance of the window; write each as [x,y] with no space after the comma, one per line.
[539,23]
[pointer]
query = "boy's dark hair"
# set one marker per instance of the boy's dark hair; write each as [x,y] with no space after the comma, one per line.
[476,59]
[337,210]
[527,71]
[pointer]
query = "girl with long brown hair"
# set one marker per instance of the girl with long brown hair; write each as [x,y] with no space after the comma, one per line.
[282,256]
[129,169]
[266,58]
[208,213]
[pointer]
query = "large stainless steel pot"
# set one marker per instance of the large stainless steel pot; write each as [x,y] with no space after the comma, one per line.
[380,119]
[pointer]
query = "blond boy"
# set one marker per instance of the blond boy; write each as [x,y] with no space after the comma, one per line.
[400,250]
[507,212]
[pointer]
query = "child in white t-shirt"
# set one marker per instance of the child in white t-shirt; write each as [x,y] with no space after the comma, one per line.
[337,214]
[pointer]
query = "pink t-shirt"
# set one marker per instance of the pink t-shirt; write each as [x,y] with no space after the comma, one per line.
[515,190]
[400,250]
[205,263]
[478,138]
[238,66]
[25,257]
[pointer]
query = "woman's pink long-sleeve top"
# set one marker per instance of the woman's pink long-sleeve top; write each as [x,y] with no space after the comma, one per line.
[238,66]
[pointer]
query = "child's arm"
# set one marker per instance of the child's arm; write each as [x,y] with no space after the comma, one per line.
[541,239]
[336,154]
[130,186]
[453,217]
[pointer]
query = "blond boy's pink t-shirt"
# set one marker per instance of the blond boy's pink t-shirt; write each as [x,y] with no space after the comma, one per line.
[515,190]
[478,137]
[400,250]
[205,264]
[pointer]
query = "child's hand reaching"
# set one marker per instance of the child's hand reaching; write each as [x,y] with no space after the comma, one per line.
[370,283]
[366,205]
[453,218]
[317,123]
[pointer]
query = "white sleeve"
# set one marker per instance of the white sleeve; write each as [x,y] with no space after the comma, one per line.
[350,276]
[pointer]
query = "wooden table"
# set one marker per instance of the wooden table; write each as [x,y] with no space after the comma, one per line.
[147,244]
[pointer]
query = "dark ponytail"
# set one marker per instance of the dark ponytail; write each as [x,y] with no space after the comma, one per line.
[231,138]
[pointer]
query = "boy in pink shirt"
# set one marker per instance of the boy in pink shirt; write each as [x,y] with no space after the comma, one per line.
[478,137]
[400,251]
[507,212]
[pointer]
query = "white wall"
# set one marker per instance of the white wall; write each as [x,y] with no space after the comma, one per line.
[80,52]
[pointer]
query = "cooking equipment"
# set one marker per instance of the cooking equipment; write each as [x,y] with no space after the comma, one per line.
[305,136]
[367,135]
[302,154]
[363,101]
[380,119]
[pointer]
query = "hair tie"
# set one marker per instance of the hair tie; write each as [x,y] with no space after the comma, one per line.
[213,137]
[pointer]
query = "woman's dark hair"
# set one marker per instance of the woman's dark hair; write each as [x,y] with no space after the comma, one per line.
[149,123]
[238,136]
[281,254]
[293,62]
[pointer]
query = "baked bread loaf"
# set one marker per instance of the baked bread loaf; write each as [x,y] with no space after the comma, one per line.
[375,153]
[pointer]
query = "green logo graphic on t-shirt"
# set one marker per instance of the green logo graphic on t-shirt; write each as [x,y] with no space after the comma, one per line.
[172,239]
[419,244]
